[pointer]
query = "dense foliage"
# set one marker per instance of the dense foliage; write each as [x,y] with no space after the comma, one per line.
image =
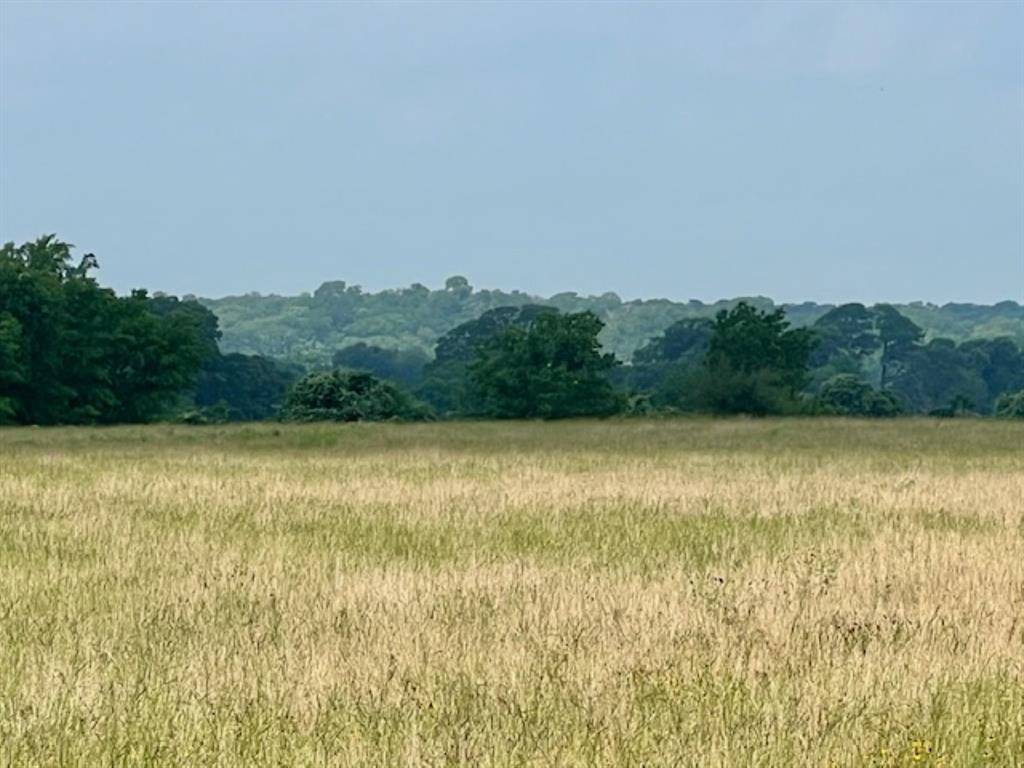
[847,395]
[309,329]
[883,347]
[237,387]
[446,384]
[345,396]
[552,367]
[755,363]
[73,352]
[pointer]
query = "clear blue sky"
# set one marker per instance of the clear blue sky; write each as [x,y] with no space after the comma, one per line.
[820,151]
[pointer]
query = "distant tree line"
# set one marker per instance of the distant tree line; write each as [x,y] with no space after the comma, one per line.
[73,352]
[310,328]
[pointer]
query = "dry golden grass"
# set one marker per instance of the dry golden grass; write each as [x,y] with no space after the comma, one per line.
[702,593]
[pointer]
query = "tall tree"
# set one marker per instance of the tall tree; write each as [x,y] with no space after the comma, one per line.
[755,362]
[74,352]
[551,368]
[445,379]
[12,367]
[899,337]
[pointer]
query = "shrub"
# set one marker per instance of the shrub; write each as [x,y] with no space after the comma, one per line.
[846,395]
[1010,405]
[347,396]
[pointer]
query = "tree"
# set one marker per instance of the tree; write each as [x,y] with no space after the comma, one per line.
[458,284]
[446,380]
[662,365]
[899,337]
[847,329]
[32,282]
[341,396]
[73,352]
[683,340]
[848,395]
[1000,364]
[847,340]
[754,364]
[930,376]
[551,368]
[154,361]
[12,367]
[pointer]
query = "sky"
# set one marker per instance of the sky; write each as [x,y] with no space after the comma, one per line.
[805,151]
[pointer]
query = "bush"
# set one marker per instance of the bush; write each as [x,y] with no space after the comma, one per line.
[846,395]
[1010,405]
[345,396]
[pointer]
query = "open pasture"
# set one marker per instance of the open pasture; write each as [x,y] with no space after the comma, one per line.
[706,593]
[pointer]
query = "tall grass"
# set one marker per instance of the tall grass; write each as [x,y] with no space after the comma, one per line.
[730,593]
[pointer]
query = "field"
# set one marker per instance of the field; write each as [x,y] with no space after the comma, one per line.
[730,593]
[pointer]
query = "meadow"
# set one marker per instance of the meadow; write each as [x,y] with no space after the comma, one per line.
[657,593]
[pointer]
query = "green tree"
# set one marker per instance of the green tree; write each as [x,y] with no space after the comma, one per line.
[847,340]
[32,279]
[847,395]
[662,366]
[755,363]
[74,352]
[345,396]
[930,376]
[899,337]
[154,361]
[446,378]
[12,368]
[849,328]
[1000,364]
[551,368]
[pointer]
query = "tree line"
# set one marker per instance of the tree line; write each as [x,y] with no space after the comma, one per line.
[309,328]
[73,352]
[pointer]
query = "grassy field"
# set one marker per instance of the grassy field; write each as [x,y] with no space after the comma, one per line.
[732,593]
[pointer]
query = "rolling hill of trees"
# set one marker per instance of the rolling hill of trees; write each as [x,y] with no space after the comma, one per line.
[310,328]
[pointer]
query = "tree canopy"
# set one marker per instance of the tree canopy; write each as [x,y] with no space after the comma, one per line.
[755,363]
[74,352]
[550,368]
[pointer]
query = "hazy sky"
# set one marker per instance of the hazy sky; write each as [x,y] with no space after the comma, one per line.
[819,151]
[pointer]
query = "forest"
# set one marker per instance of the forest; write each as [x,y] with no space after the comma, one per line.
[310,328]
[75,352]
